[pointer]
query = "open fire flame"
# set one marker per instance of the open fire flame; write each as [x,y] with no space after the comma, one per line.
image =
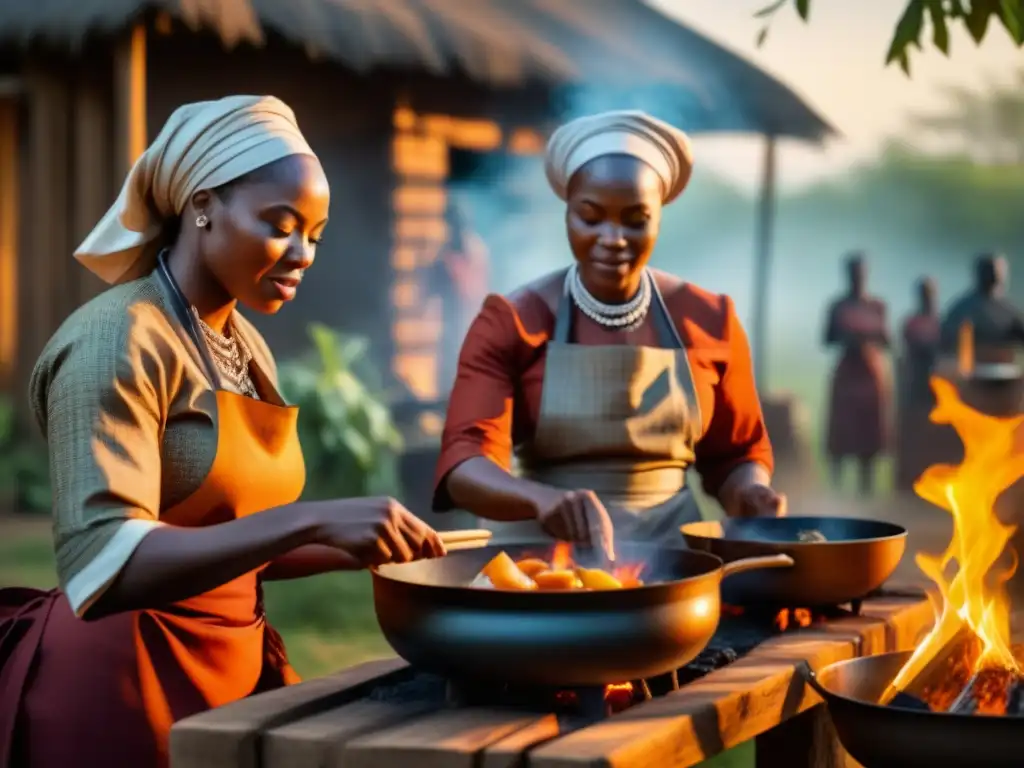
[973,602]
[627,573]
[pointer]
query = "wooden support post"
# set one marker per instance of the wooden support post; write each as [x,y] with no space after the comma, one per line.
[10,195]
[92,188]
[130,99]
[44,288]
[805,741]
[762,265]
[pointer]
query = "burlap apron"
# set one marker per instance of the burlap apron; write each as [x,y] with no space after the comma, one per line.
[621,421]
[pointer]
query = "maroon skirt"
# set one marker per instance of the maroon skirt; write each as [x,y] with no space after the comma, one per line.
[77,694]
[861,395]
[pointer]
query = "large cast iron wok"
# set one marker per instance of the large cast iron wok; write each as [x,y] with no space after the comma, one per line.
[856,558]
[892,737]
[567,638]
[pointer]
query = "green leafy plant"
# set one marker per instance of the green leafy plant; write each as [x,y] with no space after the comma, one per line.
[24,467]
[974,15]
[349,440]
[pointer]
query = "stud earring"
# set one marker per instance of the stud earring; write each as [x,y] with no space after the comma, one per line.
[202,220]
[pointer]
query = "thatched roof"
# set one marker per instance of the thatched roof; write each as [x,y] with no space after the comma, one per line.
[615,43]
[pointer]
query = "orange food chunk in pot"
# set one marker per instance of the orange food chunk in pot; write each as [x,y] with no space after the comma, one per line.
[531,566]
[564,579]
[594,578]
[504,574]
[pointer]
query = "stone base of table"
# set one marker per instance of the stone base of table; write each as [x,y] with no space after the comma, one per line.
[330,723]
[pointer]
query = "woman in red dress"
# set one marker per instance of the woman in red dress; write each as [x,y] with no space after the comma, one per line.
[606,380]
[176,464]
[858,423]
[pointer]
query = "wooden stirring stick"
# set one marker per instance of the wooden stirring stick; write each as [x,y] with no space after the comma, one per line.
[473,538]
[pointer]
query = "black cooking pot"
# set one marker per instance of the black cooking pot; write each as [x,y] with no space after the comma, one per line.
[434,620]
[891,737]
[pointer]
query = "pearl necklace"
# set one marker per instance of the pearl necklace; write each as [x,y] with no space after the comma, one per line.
[622,317]
[231,356]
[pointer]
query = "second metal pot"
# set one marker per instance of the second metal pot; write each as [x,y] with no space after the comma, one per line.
[856,558]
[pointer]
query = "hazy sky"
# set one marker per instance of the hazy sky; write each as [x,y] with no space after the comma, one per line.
[836,62]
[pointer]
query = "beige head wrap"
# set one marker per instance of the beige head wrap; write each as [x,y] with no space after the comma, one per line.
[202,146]
[625,132]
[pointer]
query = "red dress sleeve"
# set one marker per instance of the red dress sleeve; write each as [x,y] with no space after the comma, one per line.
[736,433]
[480,410]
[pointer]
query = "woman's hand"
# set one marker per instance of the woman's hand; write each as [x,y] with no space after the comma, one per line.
[375,531]
[757,500]
[579,517]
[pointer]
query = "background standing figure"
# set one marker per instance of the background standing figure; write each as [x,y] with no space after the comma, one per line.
[861,390]
[997,324]
[917,436]
[459,278]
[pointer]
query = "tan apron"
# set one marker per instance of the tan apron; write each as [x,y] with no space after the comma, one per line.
[621,421]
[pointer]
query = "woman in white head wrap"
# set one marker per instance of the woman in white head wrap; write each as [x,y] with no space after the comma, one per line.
[167,435]
[607,380]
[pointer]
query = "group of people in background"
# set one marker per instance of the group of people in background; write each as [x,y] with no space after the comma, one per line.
[860,418]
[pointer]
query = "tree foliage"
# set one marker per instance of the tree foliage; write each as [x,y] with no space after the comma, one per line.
[976,16]
[986,125]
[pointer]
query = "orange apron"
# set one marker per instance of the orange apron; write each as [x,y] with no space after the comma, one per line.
[106,692]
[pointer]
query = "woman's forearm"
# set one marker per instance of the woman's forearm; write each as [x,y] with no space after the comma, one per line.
[173,563]
[480,486]
[742,477]
[310,560]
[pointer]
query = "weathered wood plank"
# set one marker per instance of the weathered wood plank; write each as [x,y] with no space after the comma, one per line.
[130,99]
[230,736]
[510,751]
[737,703]
[454,738]
[44,288]
[319,741]
[91,179]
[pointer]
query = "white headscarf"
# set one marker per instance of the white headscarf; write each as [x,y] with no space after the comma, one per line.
[202,146]
[624,132]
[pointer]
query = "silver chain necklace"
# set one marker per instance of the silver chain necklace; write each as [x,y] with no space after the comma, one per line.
[230,355]
[621,317]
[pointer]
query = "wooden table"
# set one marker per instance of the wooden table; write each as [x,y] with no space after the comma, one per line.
[330,723]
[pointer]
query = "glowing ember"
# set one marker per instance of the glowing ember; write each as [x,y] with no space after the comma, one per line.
[974,600]
[618,696]
[798,617]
